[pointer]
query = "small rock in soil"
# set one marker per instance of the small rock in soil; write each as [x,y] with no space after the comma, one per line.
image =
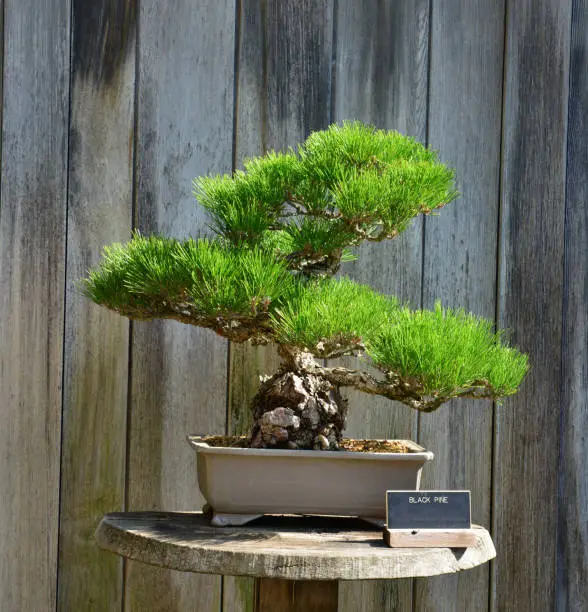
[322,442]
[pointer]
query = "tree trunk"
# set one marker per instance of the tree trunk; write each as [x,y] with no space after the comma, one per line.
[298,410]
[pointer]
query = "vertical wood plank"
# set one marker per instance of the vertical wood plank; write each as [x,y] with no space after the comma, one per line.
[296,596]
[381,74]
[32,270]
[283,93]
[185,122]
[1,76]
[273,594]
[376,595]
[299,45]
[247,363]
[381,78]
[316,596]
[573,486]
[96,340]
[238,594]
[467,47]
[531,271]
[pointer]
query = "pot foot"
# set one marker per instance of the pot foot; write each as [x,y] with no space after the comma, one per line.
[220,519]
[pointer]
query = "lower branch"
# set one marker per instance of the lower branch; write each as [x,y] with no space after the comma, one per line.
[237,328]
[395,388]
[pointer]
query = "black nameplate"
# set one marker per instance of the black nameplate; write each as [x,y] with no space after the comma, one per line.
[428,509]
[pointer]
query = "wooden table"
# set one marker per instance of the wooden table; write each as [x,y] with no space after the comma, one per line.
[296,561]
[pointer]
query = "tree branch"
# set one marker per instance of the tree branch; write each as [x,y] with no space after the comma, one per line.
[395,388]
[237,328]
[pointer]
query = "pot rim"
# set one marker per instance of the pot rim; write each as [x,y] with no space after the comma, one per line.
[418,452]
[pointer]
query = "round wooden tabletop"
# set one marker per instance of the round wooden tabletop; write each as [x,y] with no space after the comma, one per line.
[287,547]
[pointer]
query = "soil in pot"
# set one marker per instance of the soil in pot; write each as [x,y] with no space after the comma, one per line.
[346,444]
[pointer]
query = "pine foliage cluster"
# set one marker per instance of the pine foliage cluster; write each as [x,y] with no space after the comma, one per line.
[344,185]
[447,352]
[284,224]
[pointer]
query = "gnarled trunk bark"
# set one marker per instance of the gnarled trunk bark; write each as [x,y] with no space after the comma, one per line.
[298,410]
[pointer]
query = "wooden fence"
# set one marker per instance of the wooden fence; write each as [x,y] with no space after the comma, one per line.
[110,108]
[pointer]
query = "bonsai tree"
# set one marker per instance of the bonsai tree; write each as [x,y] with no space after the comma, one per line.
[283,226]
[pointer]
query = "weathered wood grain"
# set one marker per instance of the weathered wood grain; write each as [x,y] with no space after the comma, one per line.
[460,245]
[178,379]
[294,548]
[1,74]
[273,592]
[381,66]
[275,108]
[381,78]
[250,81]
[428,538]
[33,200]
[531,279]
[375,595]
[247,363]
[96,341]
[572,570]
[302,596]
[238,594]
[299,46]
[283,93]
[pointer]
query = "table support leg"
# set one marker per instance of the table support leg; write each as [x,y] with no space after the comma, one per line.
[272,594]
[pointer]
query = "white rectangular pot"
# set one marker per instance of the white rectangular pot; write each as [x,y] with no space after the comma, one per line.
[241,484]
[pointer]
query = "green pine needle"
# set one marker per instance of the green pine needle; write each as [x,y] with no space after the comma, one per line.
[245,205]
[335,313]
[290,216]
[147,276]
[350,182]
[447,351]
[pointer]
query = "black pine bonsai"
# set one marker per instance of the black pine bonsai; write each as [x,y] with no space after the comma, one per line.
[283,227]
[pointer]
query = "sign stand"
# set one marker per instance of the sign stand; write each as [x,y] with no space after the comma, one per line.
[430,538]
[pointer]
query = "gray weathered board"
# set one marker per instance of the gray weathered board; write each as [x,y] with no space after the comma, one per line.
[184,128]
[275,109]
[572,554]
[33,196]
[107,114]
[246,363]
[381,76]
[96,352]
[459,253]
[531,264]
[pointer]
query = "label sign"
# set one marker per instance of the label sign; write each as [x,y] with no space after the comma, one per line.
[428,509]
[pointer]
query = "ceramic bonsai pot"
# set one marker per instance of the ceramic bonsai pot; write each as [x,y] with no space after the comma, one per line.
[241,484]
